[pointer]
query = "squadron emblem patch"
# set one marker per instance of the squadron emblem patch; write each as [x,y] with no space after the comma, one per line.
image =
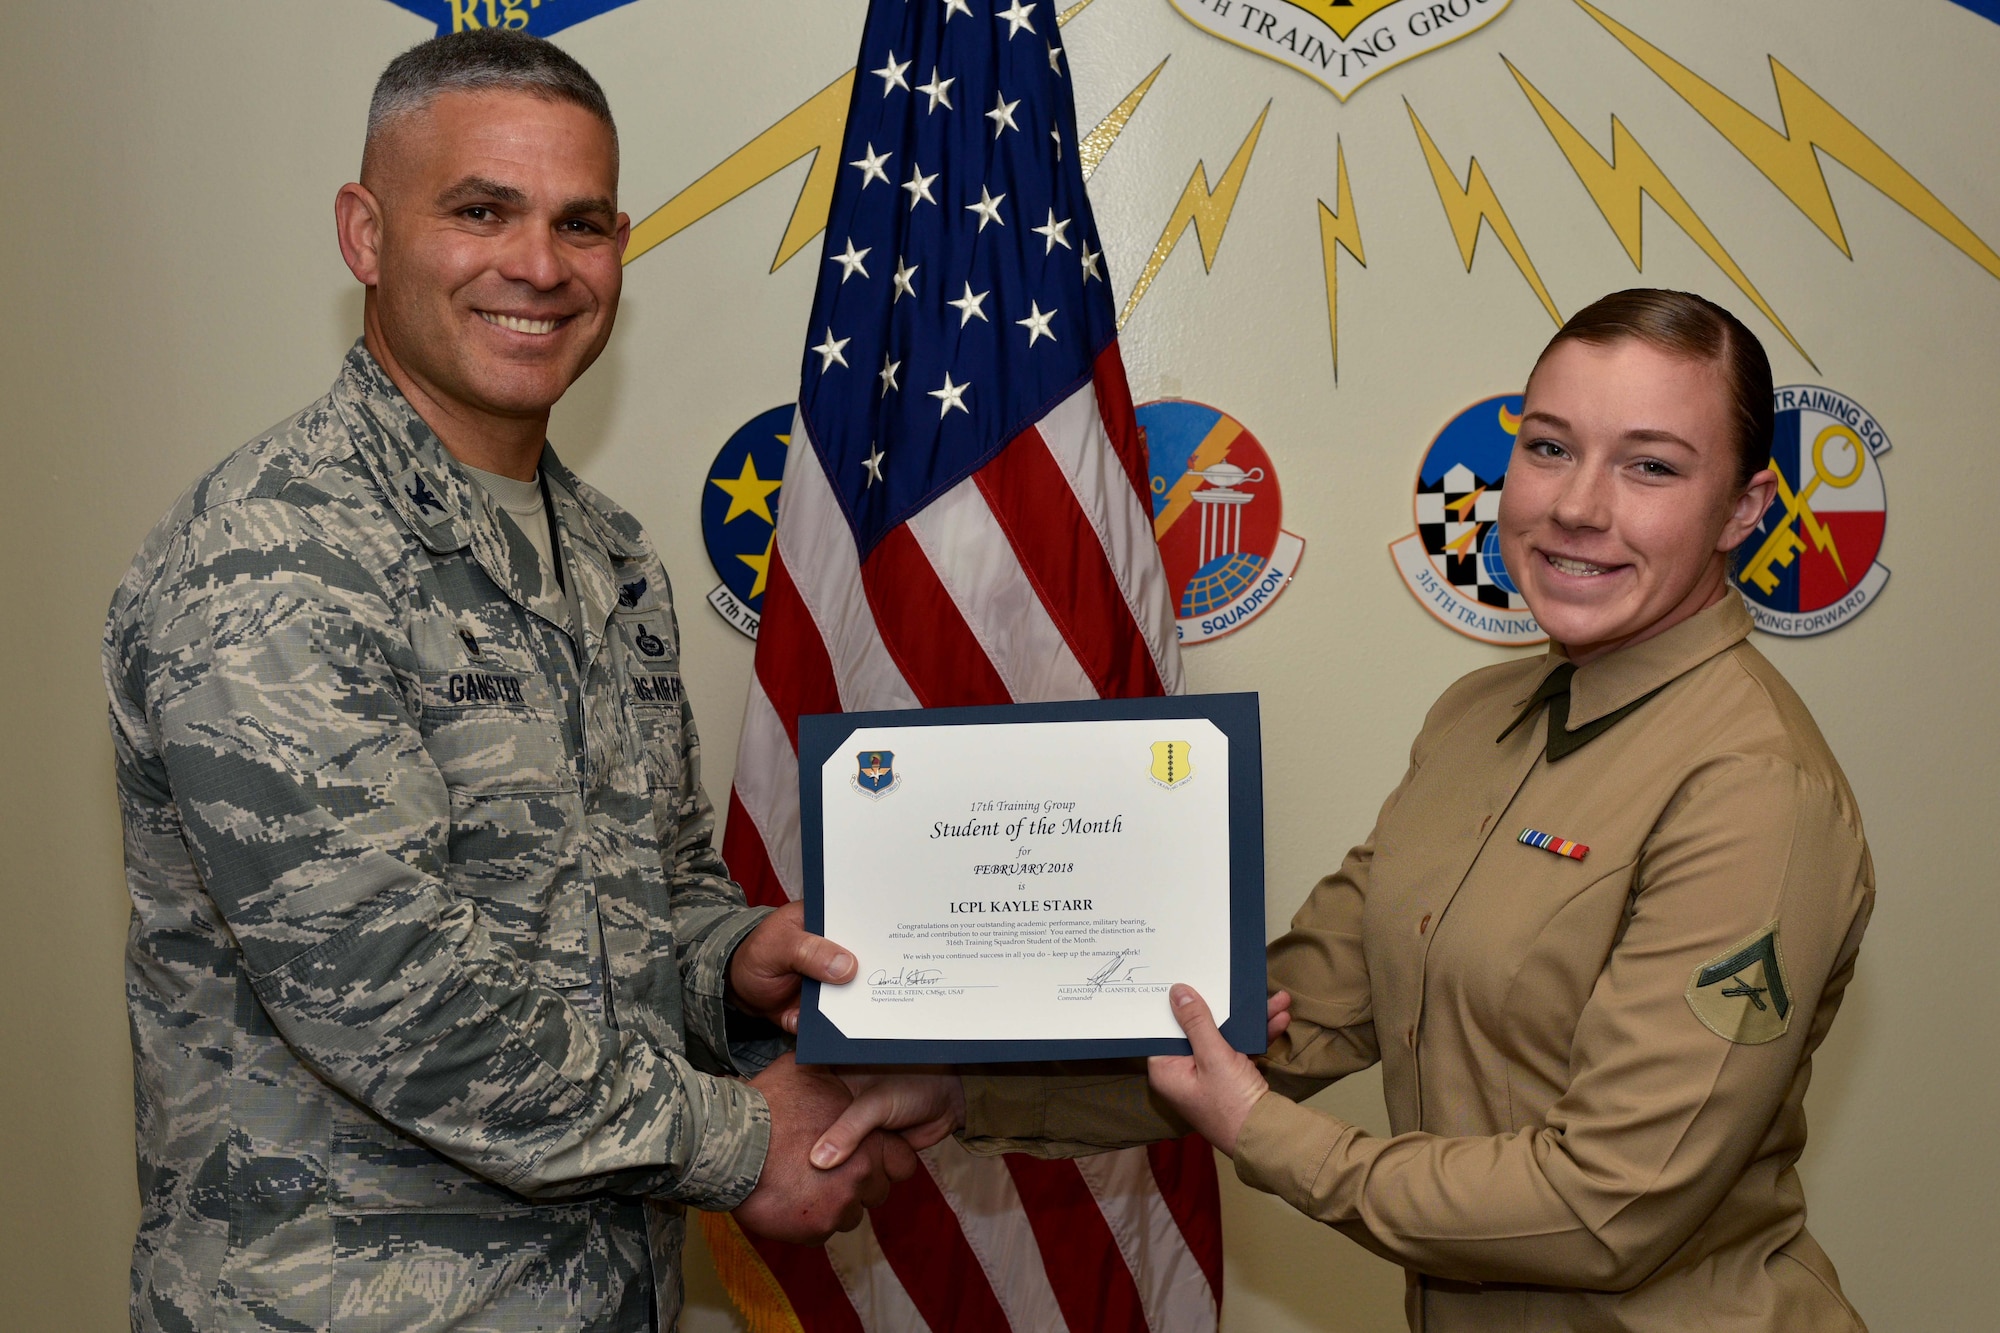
[1741,993]
[1810,566]
[1452,562]
[875,773]
[1216,516]
[1171,765]
[739,515]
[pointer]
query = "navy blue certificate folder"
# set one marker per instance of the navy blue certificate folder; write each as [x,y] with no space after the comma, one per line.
[1236,715]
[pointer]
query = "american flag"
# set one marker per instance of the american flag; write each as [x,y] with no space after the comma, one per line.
[965,520]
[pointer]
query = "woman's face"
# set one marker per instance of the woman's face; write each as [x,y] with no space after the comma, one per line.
[1621,503]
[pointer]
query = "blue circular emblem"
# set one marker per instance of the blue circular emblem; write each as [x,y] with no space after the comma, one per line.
[739,514]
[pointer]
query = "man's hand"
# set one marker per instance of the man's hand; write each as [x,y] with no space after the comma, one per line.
[795,1201]
[1215,1087]
[923,1107]
[764,972]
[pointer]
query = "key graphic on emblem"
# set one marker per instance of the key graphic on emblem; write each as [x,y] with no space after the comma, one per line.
[1785,541]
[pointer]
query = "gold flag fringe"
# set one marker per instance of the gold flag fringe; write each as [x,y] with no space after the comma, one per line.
[748,1280]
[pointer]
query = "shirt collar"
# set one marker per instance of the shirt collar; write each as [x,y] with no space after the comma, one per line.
[448,511]
[1608,683]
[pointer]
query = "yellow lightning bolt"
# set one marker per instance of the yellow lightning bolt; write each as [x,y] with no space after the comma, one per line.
[1619,186]
[1789,159]
[1338,228]
[1466,206]
[1090,149]
[1205,209]
[813,128]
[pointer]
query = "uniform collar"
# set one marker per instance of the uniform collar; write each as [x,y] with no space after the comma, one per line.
[448,512]
[1630,674]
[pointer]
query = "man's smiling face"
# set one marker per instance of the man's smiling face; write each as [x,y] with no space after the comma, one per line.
[497,259]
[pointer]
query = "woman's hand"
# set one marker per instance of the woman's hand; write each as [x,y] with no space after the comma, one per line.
[1215,1087]
[921,1106]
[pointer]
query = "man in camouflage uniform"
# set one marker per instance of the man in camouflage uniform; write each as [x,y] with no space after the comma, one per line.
[432,962]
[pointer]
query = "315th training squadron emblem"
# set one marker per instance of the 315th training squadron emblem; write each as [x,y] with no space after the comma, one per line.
[1452,562]
[875,773]
[1171,765]
[1810,566]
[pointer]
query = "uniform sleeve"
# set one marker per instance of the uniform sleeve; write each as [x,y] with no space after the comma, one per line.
[1320,961]
[1332,1034]
[1662,1114]
[710,918]
[319,825]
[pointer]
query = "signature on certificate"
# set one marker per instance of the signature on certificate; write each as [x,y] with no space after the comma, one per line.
[1109,974]
[903,976]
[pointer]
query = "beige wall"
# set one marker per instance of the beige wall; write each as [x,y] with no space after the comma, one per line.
[171,285]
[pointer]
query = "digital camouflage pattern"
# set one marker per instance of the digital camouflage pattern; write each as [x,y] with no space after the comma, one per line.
[429,938]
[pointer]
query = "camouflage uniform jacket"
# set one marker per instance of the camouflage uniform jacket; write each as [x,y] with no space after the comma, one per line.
[429,939]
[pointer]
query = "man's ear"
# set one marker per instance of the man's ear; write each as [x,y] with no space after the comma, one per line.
[357,220]
[1748,510]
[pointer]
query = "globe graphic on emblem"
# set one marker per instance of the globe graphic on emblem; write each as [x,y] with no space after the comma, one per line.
[1219,582]
[1490,561]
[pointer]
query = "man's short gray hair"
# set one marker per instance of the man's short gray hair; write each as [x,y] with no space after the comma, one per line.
[483,60]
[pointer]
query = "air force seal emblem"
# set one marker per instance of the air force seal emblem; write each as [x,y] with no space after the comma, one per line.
[875,773]
[1171,766]
[1741,993]
[1810,566]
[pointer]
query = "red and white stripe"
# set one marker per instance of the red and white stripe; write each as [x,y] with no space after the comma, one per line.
[1035,579]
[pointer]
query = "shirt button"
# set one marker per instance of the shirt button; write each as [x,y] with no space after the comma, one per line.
[1424,925]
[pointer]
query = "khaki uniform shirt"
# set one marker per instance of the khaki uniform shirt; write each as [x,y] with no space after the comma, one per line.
[1595,1068]
[428,944]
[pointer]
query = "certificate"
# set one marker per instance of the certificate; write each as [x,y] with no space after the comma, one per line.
[1025,882]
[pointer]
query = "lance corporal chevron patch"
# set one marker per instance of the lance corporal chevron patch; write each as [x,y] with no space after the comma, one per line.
[1741,993]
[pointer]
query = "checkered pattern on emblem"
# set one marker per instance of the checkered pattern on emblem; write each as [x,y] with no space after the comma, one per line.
[1453,515]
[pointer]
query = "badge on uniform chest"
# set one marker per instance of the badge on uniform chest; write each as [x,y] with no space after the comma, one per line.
[1549,842]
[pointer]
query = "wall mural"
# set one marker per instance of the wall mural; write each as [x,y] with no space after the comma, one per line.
[1813,566]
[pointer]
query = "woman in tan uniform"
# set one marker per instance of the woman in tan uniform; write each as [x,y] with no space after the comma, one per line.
[1597,932]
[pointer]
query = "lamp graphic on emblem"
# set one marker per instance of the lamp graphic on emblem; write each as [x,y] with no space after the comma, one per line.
[1216,516]
[1222,508]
